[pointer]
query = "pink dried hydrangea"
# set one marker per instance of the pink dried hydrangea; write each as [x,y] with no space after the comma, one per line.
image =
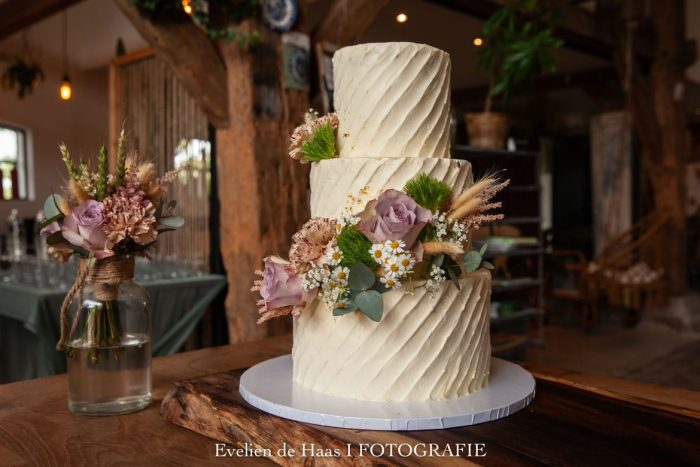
[305,131]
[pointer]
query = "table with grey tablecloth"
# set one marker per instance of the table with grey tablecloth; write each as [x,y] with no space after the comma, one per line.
[29,322]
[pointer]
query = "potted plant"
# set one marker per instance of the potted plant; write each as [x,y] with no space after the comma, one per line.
[518,43]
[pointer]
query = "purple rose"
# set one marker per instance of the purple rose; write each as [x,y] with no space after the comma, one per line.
[394,216]
[281,287]
[83,228]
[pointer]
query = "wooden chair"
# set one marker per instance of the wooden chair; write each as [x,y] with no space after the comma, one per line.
[611,275]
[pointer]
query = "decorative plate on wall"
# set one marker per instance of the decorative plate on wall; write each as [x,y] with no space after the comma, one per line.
[280,15]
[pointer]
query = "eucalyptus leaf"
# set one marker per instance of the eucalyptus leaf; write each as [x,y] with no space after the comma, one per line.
[349,308]
[483,249]
[55,238]
[488,265]
[173,222]
[454,277]
[371,304]
[51,204]
[438,260]
[50,221]
[361,278]
[472,260]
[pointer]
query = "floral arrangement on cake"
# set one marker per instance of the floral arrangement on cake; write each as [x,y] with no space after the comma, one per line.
[102,215]
[398,240]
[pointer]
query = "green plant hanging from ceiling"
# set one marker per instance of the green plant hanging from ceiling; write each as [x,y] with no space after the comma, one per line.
[20,73]
[519,39]
[214,16]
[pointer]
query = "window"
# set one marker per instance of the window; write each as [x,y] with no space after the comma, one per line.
[13,162]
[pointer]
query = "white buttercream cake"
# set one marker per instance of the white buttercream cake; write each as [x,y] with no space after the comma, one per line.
[393,104]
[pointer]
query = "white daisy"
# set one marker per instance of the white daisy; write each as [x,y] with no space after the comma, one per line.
[390,282]
[334,256]
[394,246]
[378,253]
[394,267]
[407,261]
[340,275]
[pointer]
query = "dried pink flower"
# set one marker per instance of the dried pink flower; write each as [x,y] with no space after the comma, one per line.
[310,243]
[303,132]
[474,220]
[129,214]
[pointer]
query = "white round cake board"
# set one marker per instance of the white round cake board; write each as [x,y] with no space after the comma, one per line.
[268,386]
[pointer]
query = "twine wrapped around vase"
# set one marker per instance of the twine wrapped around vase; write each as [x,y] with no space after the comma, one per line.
[106,275]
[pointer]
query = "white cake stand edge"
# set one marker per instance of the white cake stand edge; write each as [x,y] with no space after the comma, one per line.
[269,387]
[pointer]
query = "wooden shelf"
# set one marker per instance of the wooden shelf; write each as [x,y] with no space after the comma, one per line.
[520,220]
[522,314]
[519,251]
[473,152]
[523,188]
[507,285]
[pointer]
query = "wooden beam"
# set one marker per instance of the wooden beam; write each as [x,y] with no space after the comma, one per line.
[263,191]
[348,20]
[192,56]
[16,15]
[580,29]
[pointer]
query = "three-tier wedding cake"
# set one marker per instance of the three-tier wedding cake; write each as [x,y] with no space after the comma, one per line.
[389,301]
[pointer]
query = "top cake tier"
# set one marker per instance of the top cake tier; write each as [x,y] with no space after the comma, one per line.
[393,100]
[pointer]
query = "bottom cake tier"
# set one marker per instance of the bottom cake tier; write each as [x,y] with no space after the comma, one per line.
[424,348]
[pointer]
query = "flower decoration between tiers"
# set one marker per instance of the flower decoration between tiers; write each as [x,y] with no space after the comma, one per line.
[399,241]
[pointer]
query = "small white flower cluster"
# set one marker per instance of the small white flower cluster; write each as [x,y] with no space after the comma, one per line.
[448,229]
[396,262]
[437,277]
[331,278]
[459,232]
[440,222]
[346,219]
[315,278]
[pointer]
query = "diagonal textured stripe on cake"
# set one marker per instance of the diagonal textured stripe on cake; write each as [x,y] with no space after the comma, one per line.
[393,107]
[393,100]
[424,348]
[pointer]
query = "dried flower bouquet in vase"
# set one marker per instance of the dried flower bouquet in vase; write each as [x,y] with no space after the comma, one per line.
[107,219]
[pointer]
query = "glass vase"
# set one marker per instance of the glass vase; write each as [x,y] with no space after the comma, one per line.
[108,349]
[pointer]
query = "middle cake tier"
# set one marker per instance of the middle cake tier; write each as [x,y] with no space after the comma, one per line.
[337,183]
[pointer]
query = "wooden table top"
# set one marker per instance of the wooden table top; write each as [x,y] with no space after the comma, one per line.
[36,428]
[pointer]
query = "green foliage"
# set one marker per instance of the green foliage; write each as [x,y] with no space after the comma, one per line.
[361,277]
[429,192]
[51,206]
[519,39]
[22,73]
[225,11]
[362,296]
[475,259]
[355,248]
[102,173]
[348,308]
[370,302]
[321,145]
[121,159]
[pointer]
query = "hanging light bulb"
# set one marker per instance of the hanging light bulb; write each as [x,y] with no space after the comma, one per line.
[187,6]
[65,91]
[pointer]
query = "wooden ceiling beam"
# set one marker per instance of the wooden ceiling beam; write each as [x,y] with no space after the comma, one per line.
[16,15]
[348,20]
[192,56]
[580,29]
